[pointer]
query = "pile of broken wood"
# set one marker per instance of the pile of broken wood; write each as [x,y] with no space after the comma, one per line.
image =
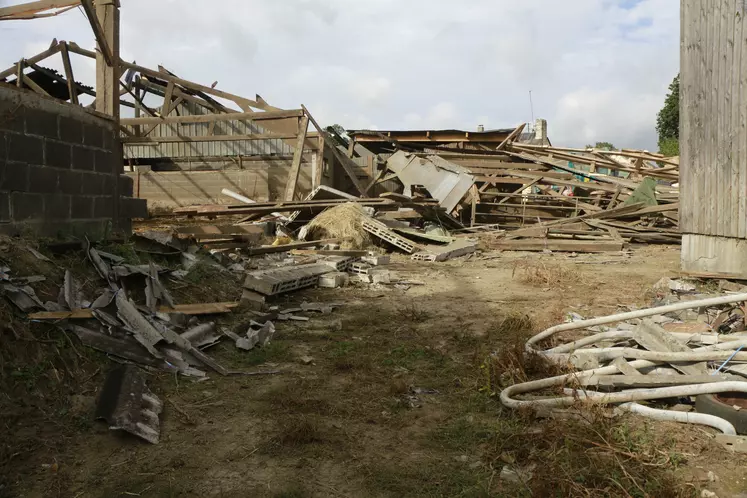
[561,201]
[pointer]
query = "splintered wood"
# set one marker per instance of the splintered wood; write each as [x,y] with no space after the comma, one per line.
[575,200]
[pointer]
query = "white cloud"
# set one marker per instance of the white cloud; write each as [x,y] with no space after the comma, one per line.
[598,69]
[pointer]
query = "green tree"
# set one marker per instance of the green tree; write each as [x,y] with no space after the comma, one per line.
[668,121]
[602,145]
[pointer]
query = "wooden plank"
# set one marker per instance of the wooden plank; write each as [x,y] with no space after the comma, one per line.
[71,86]
[182,82]
[209,118]
[256,251]
[98,31]
[35,59]
[610,214]
[556,245]
[589,208]
[31,8]
[204,138]
[295,170]
[326,252]
[521,189]
[166,107]
[34,86]
[187,309]
[511,137]
[320,162]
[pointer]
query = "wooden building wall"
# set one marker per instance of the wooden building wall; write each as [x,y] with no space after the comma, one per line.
[713,136]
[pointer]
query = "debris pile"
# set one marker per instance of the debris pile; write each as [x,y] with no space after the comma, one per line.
[687,351]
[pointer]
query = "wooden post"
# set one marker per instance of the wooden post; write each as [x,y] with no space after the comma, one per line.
[290,186]
[69,76]
[107,76]
[473,215]
[19,74]
[320,162]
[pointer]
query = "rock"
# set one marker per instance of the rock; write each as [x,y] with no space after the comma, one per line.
[708,494]
[306,360]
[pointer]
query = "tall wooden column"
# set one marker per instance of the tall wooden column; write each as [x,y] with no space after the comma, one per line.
[107,77]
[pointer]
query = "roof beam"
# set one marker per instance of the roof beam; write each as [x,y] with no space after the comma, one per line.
[98,30]
[31,9]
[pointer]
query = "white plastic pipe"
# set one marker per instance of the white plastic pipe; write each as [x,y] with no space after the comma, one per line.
[670,415]
[608,354]
[715,301]
[628,396]
[625,396]
[685,417]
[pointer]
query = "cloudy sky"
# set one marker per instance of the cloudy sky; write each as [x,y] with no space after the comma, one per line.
[598,69]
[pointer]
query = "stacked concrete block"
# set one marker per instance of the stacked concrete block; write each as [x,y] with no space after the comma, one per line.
[280,280]
[360,268]
[339,263]
[380,230]
[60,169]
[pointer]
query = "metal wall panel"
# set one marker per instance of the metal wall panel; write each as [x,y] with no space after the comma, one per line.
[268,147]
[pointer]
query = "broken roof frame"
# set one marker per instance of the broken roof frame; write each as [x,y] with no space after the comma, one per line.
[291,126]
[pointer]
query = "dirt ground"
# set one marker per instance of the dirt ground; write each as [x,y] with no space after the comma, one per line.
[399,400]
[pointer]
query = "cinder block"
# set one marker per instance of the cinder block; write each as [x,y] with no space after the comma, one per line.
[57,207]
[126,186]
[104,162]
[333,280]
[25,206]
[25,149]
[360,268]
[280,280]
[93,135]
[109,183]
[83,159]
[93,184]
[43,180]
[133,208]
[103,206]
[5,207]
[57,154]
[376,260]
[81,207]
[71,131]
[15,177]
[339,263]
[253,300]
[41,123]
[71,182]
[12,117]
[110,139]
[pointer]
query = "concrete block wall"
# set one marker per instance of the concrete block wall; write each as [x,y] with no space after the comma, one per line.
[259,180]
[60,169]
